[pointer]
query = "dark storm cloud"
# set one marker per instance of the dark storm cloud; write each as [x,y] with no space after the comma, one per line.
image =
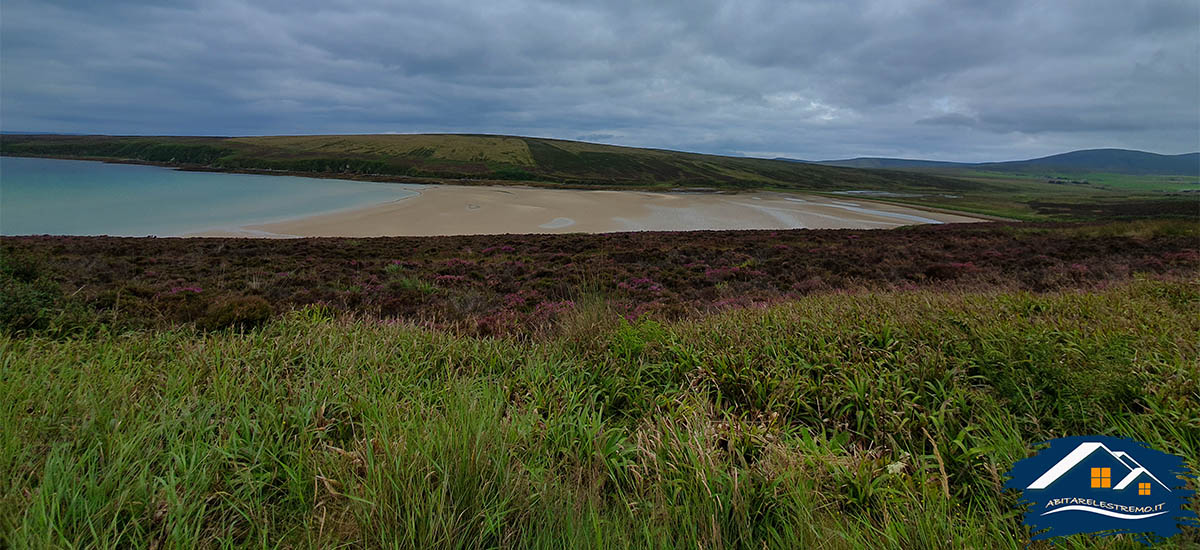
[964,81]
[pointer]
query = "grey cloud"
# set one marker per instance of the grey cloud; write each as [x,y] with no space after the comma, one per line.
[960,81]
[951,119]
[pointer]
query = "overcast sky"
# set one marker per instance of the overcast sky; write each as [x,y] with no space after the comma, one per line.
[969,81]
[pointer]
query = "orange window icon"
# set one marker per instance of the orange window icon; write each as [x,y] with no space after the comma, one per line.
[1102,478]
[1143,488]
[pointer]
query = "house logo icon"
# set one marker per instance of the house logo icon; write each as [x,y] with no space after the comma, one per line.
[1103,485]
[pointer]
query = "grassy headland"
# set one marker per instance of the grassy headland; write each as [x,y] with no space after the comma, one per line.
[538,161]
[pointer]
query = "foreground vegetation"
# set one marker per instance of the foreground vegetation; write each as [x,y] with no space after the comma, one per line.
[831,421]
[753,389]
[483,159]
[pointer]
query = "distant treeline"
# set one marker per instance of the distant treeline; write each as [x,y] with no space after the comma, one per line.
[144,150]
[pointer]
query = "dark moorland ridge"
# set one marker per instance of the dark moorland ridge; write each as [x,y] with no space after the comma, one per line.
[515,283]
[1114,161]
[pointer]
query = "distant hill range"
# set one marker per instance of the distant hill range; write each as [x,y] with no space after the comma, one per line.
[1113,161]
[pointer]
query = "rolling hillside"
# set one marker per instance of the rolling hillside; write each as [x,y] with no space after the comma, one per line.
[1111,161]
[473,157]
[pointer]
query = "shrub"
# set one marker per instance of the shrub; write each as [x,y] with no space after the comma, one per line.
[28,300]
[22,269]
[403,285]
[27,305]
[949,270]
[640,283]
[240,312]
[315,313]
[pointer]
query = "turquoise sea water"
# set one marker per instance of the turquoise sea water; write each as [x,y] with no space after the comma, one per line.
[71,197]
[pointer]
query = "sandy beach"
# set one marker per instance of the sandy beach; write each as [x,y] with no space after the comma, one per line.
[466,210]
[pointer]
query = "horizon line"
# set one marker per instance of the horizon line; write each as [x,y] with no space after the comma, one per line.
[658,148]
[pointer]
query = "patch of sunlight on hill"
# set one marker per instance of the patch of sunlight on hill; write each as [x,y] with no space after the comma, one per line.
[585,147]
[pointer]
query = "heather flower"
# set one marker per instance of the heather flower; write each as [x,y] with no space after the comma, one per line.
[640,283]
[548,309]
[950,270]
[728,303]
[499,322]
[519,298]
[722,273]
[458,262]
[1183,257]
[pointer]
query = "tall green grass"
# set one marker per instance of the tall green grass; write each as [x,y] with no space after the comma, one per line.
[836,421]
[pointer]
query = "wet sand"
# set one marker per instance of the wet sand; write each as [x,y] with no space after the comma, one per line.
[466,210]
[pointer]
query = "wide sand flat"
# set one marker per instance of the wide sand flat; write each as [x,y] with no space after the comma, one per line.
[465,210]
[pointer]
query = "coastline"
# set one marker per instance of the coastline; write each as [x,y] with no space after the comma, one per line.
[469,210]
[84,197]
[468,207]
[373,178]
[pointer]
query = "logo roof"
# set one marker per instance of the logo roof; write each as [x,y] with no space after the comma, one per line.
[1085,450]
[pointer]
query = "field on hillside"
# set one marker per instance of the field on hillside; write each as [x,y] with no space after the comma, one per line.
[1050,194]
[1090,181]
[477,159]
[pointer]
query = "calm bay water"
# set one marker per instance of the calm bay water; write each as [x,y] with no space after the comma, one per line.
[71,197]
